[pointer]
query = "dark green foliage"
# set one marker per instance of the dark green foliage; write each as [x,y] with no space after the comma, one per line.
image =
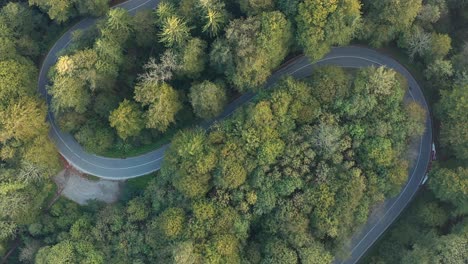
[384,20]
[323,23]
[450,185]
[95,137]
[22,27]
[63,10]
[426,233]
[451,109]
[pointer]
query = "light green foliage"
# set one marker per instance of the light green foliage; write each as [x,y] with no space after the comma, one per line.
[277,251]
[174,32]
[183,253]
[230,174]
[416,41]
[23,135]
[440,46]
[416,118]
[292,165]
[382,81]
[330,84]
[69,252]
[137,210]
[215,16]
[429,13]
[28,158]
[22,120]
[118,25]
[430,47]
[127,119]
[315,254]
[259,139]
[439,72]
[258,45]
[321,24]
[194,162]
[17,79]
[286,179]
[8,229]
[162,103]
[171,222]
[193,58]
[208,99]
[22,193]
[69,93]
[163,11]
[75,76]
[451,249]
[110,57]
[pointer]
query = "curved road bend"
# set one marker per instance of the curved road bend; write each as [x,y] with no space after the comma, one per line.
[355,57]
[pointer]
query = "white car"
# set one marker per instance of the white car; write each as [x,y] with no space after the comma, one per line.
[424,180]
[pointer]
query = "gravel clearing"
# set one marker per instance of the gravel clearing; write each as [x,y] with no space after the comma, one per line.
[79,189]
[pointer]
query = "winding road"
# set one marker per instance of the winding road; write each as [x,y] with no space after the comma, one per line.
[353,57]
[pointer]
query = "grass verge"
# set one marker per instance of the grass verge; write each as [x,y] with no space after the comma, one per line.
[136,186]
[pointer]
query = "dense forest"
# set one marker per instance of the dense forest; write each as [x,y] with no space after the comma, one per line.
[286,179]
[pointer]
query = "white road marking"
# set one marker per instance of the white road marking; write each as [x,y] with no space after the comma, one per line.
[139,5]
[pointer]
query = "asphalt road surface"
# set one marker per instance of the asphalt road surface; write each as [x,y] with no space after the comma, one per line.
[354,57]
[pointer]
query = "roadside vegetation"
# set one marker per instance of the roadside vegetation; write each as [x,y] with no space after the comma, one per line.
[434,228]
[286,179]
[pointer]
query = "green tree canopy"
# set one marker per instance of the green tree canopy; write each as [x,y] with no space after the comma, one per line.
[258,45]
[452,109]
[384,20]
[451,185]
[321,24]
[193,58]
[127,119]
[162,103]
[208,99]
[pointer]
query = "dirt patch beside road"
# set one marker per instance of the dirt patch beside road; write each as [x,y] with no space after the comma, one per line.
[79,189]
